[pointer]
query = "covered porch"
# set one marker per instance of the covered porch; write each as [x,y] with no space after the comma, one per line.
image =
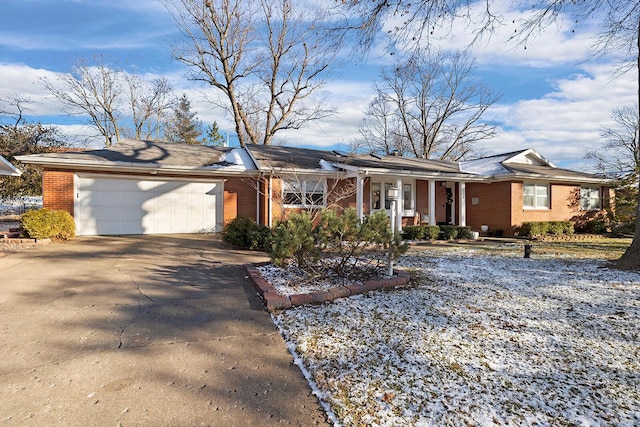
[420,201]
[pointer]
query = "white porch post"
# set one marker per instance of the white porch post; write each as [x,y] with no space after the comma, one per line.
[432,202]
[359,196]
[270,201]
[399,204]
[463,203]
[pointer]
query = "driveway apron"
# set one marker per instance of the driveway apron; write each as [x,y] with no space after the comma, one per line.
[142,330]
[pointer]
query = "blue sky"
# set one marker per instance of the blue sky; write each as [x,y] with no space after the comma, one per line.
[553,100]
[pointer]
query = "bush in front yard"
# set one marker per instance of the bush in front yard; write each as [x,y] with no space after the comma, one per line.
[449,232]
[542,228]
[48,224]
[243,232]
[338,244]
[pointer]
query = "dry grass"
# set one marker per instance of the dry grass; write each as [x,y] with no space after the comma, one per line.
[588,248]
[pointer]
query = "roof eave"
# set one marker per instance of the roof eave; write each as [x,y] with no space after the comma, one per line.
[150,168]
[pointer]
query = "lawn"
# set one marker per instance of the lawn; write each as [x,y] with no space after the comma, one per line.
[485,337]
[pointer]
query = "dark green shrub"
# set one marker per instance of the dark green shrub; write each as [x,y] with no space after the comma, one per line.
[534,228]
[431,232]
[555,228]
[420,232]
[337,244]
[595,226]
[541,228]
[623,229]
[413,232]
[243,232]
[294,239]
[48,224]
[448,232]
[463,232]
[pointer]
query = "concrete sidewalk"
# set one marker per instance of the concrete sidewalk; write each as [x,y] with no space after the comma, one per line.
[142,330]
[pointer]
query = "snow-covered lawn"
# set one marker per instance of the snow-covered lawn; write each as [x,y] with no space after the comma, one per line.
[482,340]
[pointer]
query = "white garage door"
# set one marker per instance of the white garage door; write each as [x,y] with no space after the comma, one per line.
[108,206]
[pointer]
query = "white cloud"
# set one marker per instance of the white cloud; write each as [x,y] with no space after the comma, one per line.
[562,124]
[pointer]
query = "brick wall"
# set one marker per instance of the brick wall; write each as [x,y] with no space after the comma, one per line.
[493,206]
[564,204]
[239,198]
[58,190]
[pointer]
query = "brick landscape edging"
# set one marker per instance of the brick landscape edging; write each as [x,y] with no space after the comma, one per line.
[275,302]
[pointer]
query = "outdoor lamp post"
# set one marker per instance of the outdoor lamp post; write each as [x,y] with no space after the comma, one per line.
[392,196]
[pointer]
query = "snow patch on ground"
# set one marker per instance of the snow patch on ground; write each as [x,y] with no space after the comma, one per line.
[483,340]
[19,206]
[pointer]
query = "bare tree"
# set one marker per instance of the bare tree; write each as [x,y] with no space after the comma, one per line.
[378,129]
[436,108]
[19,137]
[148,104]
[266,58]
[619,157]
[109,96]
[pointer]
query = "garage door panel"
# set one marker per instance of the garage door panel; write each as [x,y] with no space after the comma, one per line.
[129,206]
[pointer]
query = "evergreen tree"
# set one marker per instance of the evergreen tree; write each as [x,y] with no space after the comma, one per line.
[213,135]
[184,126]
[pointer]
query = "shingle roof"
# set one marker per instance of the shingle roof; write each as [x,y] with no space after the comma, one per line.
[549,172]
[182,158]
[275,158]
[147,152]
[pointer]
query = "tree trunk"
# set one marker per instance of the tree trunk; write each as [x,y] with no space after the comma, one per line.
[631,258]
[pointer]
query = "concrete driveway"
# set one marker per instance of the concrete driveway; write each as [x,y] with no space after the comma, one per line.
[142,330]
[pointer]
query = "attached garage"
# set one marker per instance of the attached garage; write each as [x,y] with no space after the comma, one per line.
[105,205]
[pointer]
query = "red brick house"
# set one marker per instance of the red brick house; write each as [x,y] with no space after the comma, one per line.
[140,187]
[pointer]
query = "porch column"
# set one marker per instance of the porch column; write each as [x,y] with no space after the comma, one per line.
[399,205]
[359,196]
[432,202]
[270,202]
[462,188]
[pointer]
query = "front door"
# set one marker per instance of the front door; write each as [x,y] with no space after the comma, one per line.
[449,206]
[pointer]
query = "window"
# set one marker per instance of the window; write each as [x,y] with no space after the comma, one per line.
[590,199]
[379,198]
[375,195]
[306,193]
[407,197]
[536,196]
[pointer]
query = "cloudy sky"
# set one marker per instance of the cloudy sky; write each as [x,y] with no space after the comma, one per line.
[554,98]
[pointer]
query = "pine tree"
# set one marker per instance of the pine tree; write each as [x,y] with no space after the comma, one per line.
[213,135]
[184,126]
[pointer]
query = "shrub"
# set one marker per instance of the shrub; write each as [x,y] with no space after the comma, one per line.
[48,224]
[555,228]
[337,244]
[595,226]
[420,232]
[431,232]
[293,239]
[541,228]
[463,232]
[245,233]
[413,232]
[533,229]
[449,232]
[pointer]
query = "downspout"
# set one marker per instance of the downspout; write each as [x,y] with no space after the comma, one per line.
[258,198]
